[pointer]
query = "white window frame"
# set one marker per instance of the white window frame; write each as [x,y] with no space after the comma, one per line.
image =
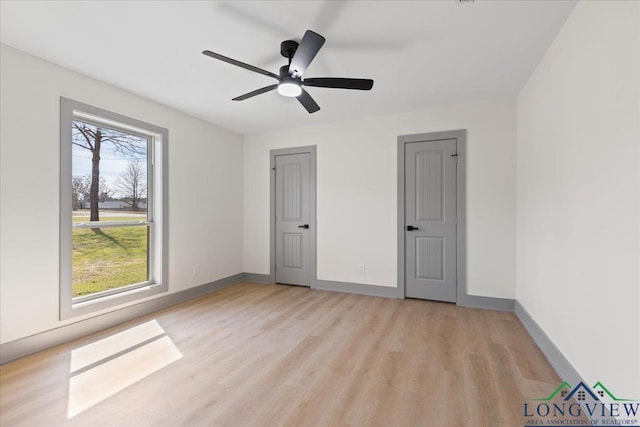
[157,202]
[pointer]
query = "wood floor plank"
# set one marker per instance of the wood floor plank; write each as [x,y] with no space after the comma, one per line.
[275,355]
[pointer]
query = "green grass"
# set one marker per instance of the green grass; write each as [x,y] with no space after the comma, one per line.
[107,258]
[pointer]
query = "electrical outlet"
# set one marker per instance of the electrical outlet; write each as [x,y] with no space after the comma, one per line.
[196,269]
[363,268]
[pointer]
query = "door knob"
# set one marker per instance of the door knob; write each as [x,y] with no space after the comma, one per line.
[412,228]
[305,226]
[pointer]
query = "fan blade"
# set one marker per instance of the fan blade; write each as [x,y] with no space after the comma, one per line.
[307,102]
[255,92]
[307,50]
[240,64]
[339,83]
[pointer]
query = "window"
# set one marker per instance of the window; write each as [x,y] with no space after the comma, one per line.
[112,220]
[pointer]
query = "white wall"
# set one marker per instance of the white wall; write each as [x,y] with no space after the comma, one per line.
[357,196]
[205,165]
[578,194]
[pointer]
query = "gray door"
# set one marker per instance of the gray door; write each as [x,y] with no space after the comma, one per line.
[292,216]
[430,220]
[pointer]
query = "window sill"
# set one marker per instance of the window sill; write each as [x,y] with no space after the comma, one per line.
[112,301]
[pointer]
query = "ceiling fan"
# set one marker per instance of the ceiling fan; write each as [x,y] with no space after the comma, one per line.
[290,79]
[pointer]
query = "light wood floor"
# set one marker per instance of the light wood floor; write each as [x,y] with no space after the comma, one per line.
[266,355]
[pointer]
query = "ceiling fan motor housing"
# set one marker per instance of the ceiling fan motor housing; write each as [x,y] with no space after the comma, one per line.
[284,71]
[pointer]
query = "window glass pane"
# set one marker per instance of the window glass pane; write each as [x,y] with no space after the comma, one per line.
[109,184]
[108,258]
[109,174]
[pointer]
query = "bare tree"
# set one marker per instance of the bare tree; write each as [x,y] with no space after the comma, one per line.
[91,137]
[81,190]
[132,184]
[104,191]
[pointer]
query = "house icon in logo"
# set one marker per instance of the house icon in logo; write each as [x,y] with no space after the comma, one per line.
[602,391]
[563,390]
[581,393]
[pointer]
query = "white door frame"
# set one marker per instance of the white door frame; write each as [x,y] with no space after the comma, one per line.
[461,139]
[311,150]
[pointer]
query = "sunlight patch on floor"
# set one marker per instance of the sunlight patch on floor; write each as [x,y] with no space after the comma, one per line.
[106,347]
[103,368]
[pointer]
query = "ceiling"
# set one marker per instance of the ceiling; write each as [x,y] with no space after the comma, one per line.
[421,54]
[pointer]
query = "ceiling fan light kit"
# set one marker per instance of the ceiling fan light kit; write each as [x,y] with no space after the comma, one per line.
[290,79]
[289,89]
[288,85]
